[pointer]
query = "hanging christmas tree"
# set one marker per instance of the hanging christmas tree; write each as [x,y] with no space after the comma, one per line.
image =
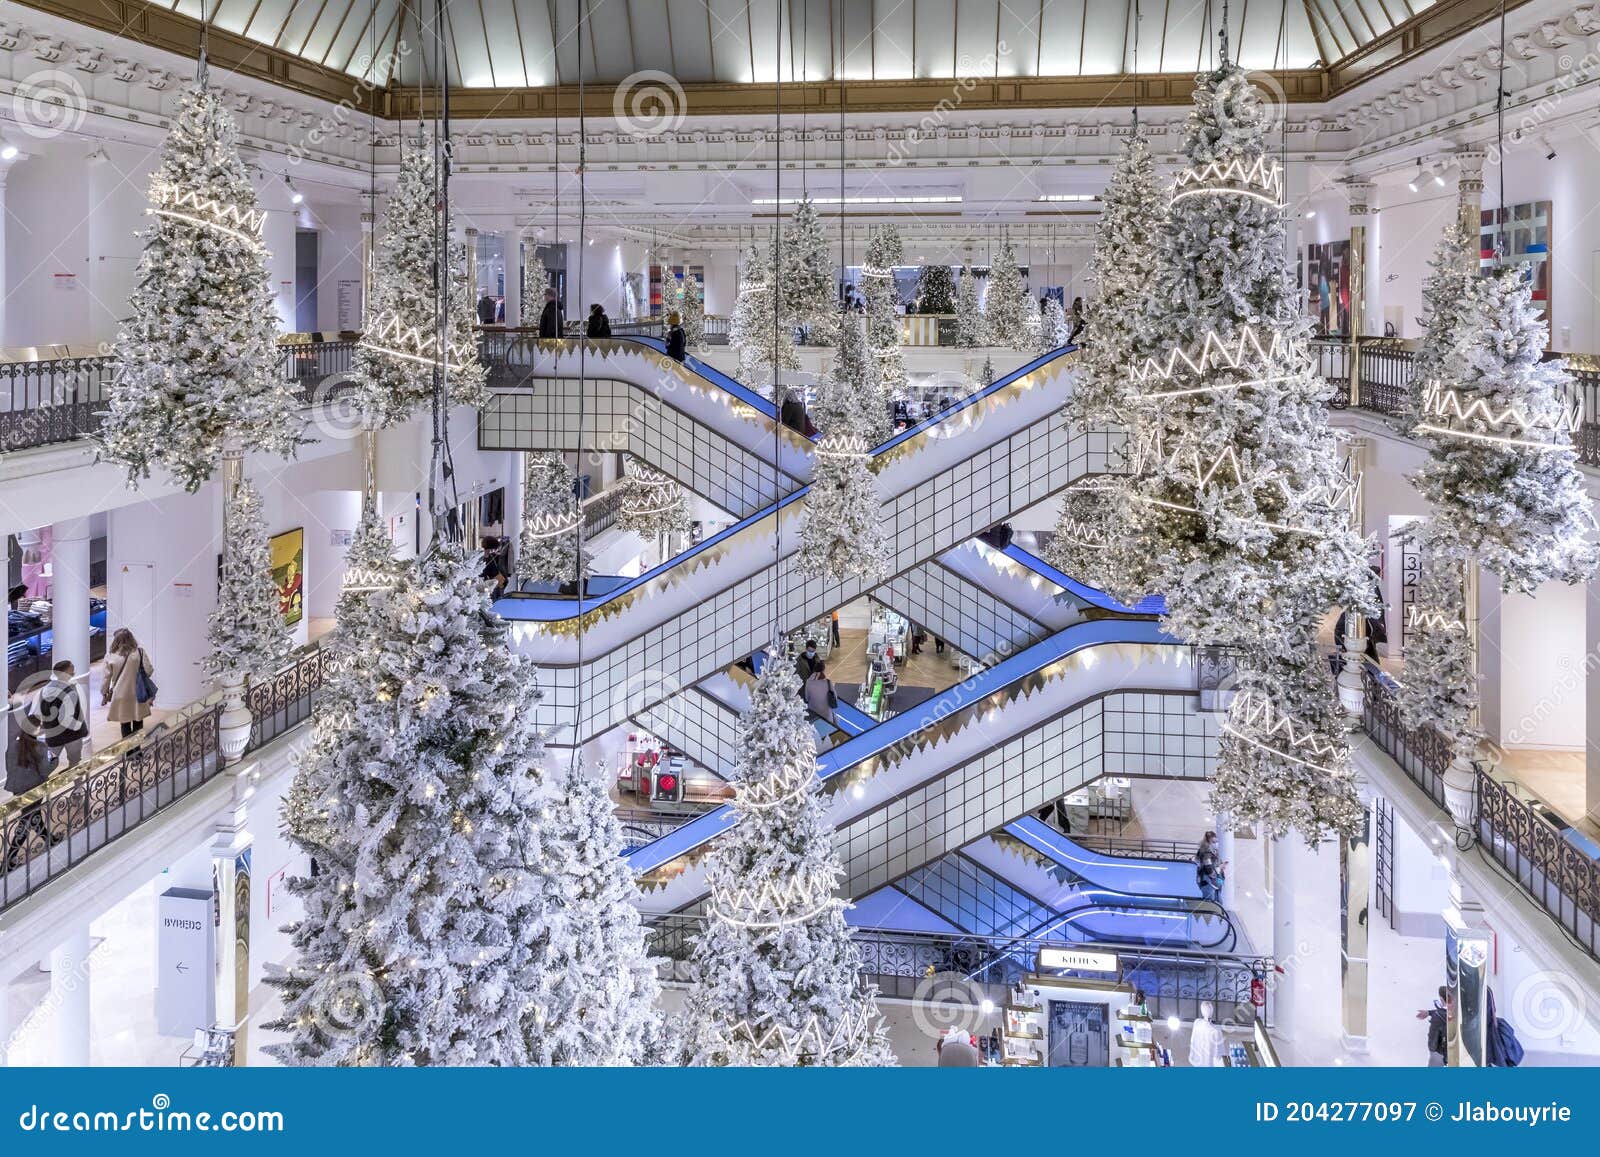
[972,329]
[1283,757]
[851,397]
[420,942]
[1441,683]
[594,994]
[1086,526]
[1445,295]
[1007,305]
[936,290]
[1502,473]
[246,631]
[652,504]
[394,365]
[196,368]
[884,325]
[775,975]
[841,526]
[535,280]
[809,286]
[761,344]
[1121,271]
[690,302]
[370,571]
[547,547]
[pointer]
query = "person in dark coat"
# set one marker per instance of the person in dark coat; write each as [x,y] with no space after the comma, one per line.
[793,411]
[27,766]
[1078,320]
[677,340]
[599,323]
[1438,1018]
[550,317]
[487,310]
[63,719]
[806,661]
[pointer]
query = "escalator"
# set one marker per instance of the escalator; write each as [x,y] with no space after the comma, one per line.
[700,612]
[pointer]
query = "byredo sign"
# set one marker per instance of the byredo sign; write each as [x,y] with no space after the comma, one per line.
[1052,959]
[186,962]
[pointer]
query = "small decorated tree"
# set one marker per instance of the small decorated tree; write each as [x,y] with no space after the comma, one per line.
[972,328]
[884,252]
[547,547]
[1033,324]
[196,368]
[851,397]
[775,975]
[535,280]
[1502,472]
[1085,528]
[652,505]
[936,290]
[1054,328]
[690,301]
[1007,306]
[762,344]
[1446,295]
[809,285]
[394,366]
[246,631]
[1441,681]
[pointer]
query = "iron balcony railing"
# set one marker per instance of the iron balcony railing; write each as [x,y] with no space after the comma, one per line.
[1542,852]
[59,824]
[901,964]
[55,395]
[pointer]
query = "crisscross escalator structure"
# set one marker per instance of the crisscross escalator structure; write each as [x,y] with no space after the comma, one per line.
[1000,451]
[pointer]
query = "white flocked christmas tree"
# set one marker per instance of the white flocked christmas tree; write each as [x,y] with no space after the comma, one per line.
[851,395]
[885,251]
[1006,305]
[535,280]
[809,283]
[761,345]
[1440,685]
[196,367]
[689,299]
[246,630]
[547,545]
[420,939]
[1502,473]
[841,526]
[394,365]
[1241,500]
[1054,328]
[775,977]
[652,504]
[972,329]
[1451,271]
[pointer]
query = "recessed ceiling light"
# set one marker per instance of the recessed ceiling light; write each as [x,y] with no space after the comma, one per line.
[8,152]
[887,199]
[1068,197]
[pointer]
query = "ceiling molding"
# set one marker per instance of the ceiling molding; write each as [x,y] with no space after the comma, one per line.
[1428,29]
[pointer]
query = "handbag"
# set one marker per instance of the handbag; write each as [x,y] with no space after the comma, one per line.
[144,687]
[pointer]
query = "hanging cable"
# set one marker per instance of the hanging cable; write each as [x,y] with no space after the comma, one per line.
[772,290]
[1136,64]
[1500,141]
[200,67]
[580,690]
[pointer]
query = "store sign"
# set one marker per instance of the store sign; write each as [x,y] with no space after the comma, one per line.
[186,962]
[1055,959]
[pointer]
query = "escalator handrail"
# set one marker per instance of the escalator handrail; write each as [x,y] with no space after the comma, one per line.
[1126,903]
[514,608]
[1046,840]
[1076,637]
[1149,605]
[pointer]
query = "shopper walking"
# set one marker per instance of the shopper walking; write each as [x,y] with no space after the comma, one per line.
[1438,1018]
[599,323]
[487,309]
[677,340]
[63,719]
[127,688]
[807,662]
[550,317]
[820,698]
[27,766]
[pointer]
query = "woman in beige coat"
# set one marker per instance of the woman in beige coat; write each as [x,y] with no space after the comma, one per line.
[119,686]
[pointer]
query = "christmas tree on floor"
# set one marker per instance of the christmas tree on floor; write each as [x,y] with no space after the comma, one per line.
[420,941]
[1502,473]
[690,302]
[394,366]
[246,631]
[809,285]
[1007,305]
[936,290]
[884,325]
[1085,527]
[196,368]
[1054,329]
[971,327]
[775,975]
[547,547]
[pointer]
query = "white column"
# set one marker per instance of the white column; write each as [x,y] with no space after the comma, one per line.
[513,265]
[1285,950]
[1225,850]
[6,1027]
[1591,696]
[6,336]
[1355,895]
[69,600]
[231,860]
[69,999]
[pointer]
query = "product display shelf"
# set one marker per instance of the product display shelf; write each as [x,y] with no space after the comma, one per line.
[1022,1030]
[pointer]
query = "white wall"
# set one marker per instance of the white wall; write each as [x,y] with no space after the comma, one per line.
[1540,656]
[338,258]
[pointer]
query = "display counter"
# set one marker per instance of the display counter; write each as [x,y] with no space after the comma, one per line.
[1070,1022]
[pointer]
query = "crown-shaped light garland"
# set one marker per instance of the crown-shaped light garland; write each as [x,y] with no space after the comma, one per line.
[550,524]
[781,787]
[877,271]
[1455,414]
[650,492]
[1261,179]
[1419,619]
[798,899]
[1159,378]
[844,445]
[1255,719]
[365,580]
[766,1037]
[240,221]
[391,337]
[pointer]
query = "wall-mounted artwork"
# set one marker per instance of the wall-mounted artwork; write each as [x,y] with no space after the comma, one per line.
[289,572]
[1522,237]
[1327,282]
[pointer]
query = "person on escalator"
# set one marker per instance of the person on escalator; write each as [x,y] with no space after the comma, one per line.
[793,411]
[807,662]
[677,340]
[820,698]
[1210,869]
[599,323]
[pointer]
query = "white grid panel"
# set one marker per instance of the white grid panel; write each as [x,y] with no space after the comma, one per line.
[959,612]
[697,725]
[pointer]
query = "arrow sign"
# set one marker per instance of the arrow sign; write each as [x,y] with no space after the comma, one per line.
[182,967]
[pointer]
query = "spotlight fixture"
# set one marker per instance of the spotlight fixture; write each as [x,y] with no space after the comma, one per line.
[1311,214]
[295,195]
[1438,176]
[1549,149]
[99,156]
[1416,181]
[8,152]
